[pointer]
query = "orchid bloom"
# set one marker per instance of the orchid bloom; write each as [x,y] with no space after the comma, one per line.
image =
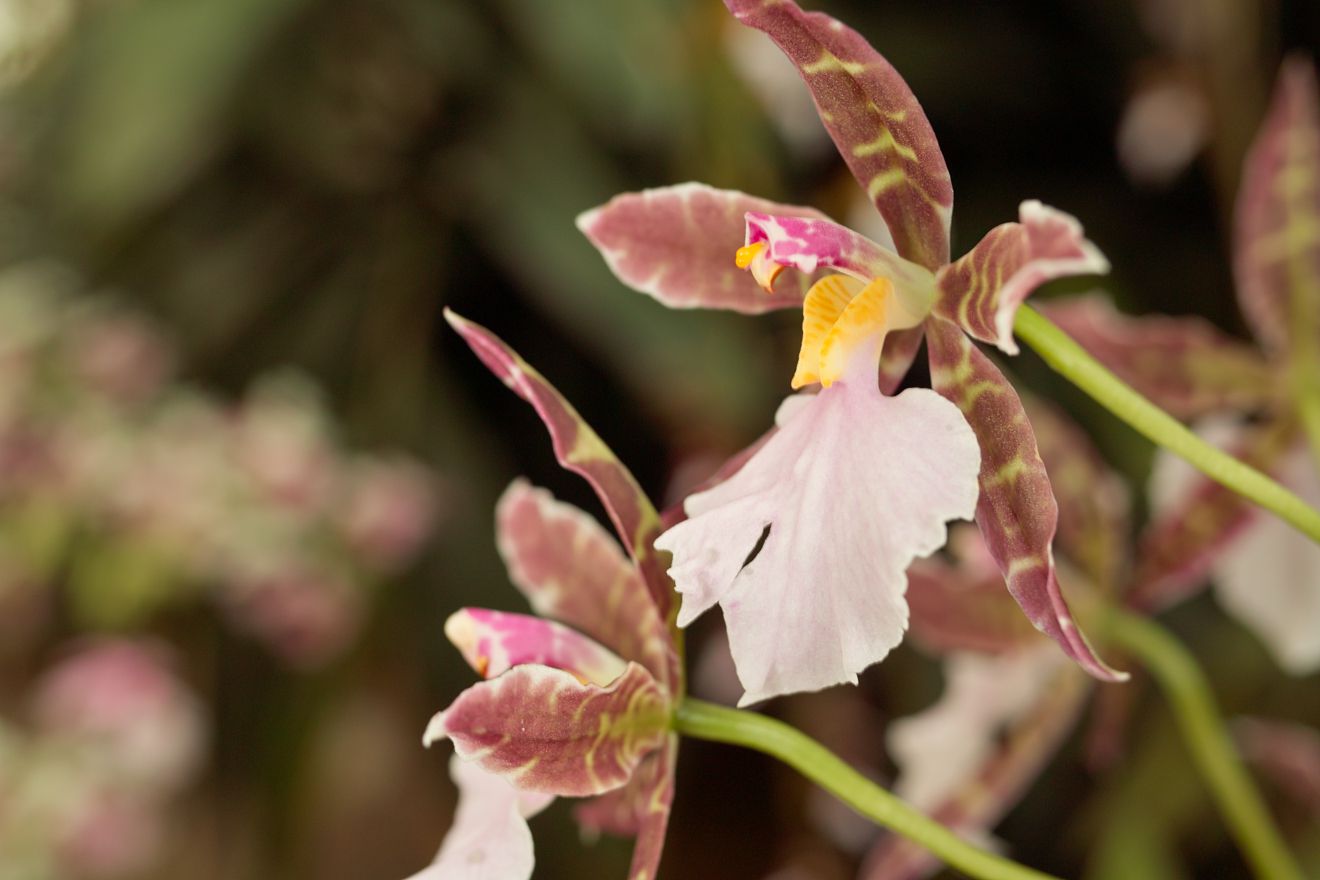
[805,547]
[1265,574]
[576,701]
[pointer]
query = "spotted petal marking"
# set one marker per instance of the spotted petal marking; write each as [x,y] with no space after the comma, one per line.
[580,449]
[1185,365]
[1178,548]
[1277,230]
[1094,506]
[546,731]
[676,244]
[874,119]
[1017,512]
[997,783]
[571,570]
[981,292]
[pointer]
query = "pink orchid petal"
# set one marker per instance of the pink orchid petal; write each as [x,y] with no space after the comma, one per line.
[492,642]
[987,790]
[489,839]
[579,449]
[874,119]
[544,730]
[571,570]
[833,508]
[1196,519]
[677,244]
[1017,512]
[809,244]
[964,607]
[1185,365]
[1269,579]
[982,290]
[1276,254]
[940,748]
[1094,505]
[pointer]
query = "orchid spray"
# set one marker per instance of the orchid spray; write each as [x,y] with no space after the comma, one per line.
[815,541]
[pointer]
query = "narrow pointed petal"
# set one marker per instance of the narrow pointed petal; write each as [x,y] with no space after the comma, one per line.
[676,244]
[1094,506]
[981,292]
[1276,253]
[571,570]
[492,642]
[809,244]
[489,839]
[1184,365]
[1196,519]
[982,796]
[545,731]
[579,449]
[874,119]
[1017,512]
[963,608]
[806,547]
[938,749]
[639,809]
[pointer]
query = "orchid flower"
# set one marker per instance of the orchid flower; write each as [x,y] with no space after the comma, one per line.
[1265,574]
[806,546]
[576,701]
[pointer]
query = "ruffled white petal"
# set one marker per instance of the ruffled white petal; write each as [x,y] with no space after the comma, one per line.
[806,548]
[489,839]
[939,750]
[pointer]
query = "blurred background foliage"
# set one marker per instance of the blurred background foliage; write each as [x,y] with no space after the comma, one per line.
[295,188]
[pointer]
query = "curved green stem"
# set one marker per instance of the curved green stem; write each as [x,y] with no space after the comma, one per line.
[1072,362]
[702,720]
[1175,670]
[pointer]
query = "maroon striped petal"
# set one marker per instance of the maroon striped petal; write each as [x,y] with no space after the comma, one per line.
[1017,512]
[639,809]
[546,730]
[580,449]
[1276,253]
[677,244]
[1184,365]
[571,570]
[981,292]
[874,119]
[901,348]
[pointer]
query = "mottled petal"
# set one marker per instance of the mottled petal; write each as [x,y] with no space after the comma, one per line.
[1196,519]
[580,450]
[677,244]
[1017,512]
[874,119]
[489,839]
[650,807]
[901,348]
[1184,365]
[1269,578]
[492,642]
[964,607]
[545,730]
[981,292]
[809,244]
[806,546]
[571,570]
[1094,506]
[1276,252]
[990,788]
[940,748]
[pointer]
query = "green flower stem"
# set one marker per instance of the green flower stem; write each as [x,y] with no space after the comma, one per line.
[1072,362]
[702,720]
[1307,394]
[1175,670]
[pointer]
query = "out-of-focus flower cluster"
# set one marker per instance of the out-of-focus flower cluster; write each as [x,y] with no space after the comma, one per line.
[135,492]
[111,738]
